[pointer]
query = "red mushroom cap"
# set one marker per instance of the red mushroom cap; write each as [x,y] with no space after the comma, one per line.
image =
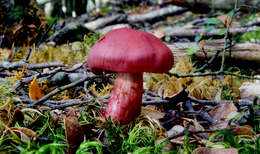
[128,50]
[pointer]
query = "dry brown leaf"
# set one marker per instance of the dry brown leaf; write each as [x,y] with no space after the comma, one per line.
[74,133]
[222,111]
[177,129]
[225,19]
[204,150]
[159,32]
[153,113]
[243,130]
[17,116]
[248,90]
[197,127]
[18,130]
[34,90]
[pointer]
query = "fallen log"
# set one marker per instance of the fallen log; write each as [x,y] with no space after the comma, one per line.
[186,32]
[101,22]
[240,51]
[162,12]
[216,4]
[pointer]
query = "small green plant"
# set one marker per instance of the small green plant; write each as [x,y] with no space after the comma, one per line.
[253,37]
[187,148]
[115,136]
[254,119]
[89,40]
[90,147]
[139,136]
[91,113]
[251,17]
[227,93]
[243,143]
[138,139]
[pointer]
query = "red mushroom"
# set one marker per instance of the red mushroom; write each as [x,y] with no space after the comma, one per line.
[129,53]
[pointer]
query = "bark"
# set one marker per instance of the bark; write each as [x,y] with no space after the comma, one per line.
[217,4]
[162,12]
[101,22]
[240,51]
[186,32]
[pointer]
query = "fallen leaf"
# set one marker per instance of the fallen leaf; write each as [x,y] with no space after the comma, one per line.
[222,111]
[177,129]
[21,131]
[159,32]
[153,113]
[74,133]
[248,90]
[197,127]
[243,130]
[34,90]
[17,116]
[204,150]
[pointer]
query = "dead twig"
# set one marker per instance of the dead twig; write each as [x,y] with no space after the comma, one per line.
[195,132]
[6,65]
[53,104]
[60,89]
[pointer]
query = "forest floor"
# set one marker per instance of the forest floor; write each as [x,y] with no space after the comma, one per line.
[50,102]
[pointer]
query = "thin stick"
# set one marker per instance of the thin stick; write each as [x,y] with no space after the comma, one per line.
[60,89]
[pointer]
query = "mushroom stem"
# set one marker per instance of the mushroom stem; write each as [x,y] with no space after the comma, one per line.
[126,98]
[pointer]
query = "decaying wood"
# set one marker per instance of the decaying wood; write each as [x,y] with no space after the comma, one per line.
[6,65]
[254,22]
[111,27]
[162,12]
[98,24]
[216,4]
[101,22]
[60,34]
[186,32]
[240,51]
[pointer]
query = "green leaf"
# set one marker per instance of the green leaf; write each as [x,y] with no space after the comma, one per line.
[167,38]
[222,31]
[192,49]
[209,29]
[105,10]
[197,38]
[214,21]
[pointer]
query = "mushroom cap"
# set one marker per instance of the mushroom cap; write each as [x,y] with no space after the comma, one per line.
[128,50]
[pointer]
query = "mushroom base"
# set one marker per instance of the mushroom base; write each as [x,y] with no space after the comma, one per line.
[126,98]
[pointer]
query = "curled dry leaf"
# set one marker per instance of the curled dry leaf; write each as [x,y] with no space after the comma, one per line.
[21,131]
[74,133]
[204,150]
[17,116]
[34,90]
